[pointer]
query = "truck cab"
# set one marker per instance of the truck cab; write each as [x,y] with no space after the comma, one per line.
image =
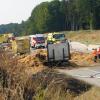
[56,38]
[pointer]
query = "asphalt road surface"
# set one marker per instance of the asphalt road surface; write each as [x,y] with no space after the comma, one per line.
[88,75]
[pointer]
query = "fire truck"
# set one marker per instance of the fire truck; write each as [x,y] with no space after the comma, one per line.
[37,41]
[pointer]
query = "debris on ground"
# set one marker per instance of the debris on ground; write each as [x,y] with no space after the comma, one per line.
[79,58]
[82,58]
[32,63]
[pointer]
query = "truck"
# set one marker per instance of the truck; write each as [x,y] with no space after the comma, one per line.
[21,45]
[7,37]
[55,38]
[58,52]
[58,48]
[37,41]
[3,38]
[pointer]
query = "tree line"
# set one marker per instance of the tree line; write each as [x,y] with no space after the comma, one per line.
[59,16]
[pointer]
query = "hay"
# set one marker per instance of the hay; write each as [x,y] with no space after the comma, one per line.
[82,58]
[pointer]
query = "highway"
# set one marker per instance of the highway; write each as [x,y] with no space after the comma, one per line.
[89,75]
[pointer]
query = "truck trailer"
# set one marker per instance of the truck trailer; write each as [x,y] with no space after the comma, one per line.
[21,45]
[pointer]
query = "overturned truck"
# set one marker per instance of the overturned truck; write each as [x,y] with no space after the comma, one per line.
[58,52]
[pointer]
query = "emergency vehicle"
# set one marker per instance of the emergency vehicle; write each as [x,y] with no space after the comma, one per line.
[37,41]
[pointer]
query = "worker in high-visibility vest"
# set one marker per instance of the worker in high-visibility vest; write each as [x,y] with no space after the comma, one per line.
[95,54]
[50,38]
[98,53]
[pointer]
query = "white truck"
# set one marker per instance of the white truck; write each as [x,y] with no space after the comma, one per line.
[37,41]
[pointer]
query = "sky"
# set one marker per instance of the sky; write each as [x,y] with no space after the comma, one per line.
[16,11]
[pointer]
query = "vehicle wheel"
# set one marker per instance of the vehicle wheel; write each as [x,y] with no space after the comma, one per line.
[36,47]
[32,46]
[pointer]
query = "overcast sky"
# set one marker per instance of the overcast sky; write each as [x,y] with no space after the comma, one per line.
[14,11]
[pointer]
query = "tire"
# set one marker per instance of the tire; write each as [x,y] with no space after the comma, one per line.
[32,46]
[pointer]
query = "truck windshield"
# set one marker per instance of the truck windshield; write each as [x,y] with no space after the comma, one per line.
[40,38]
[59,36]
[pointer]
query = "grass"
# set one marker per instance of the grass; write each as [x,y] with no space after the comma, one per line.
[50,85]
[84,36]
[92,94]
